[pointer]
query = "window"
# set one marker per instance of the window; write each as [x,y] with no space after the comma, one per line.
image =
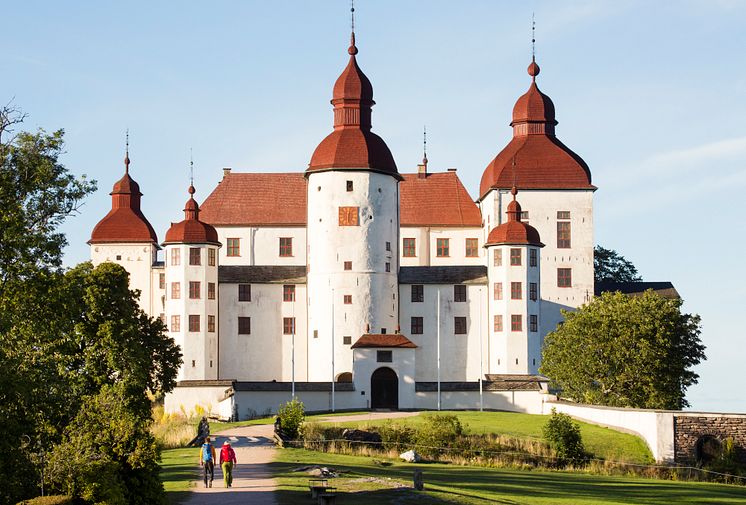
[388,246]
[234,247]
[348,216]
[498,258]
[417,326]
[383,331]
[418,293]
[194,290]
[348,265]
[315,333]
[347,340]
[441,247]
[533,323]
[532,258]
[388,266]
[563,234]
[349,186]
[516,291]
[384,356]
[193,322]
[211,324]
[524,216]
[533,291]
[498,322]
[288,325]
[175,256]
[119,257]
[564,277]
[498,291]
[563,214]
[244,326]
[286,246]
[175,290]
[408,248]
[195,256]
[211,257]
[516,322]
[244,292]
[515,257]
[459,293]
[459,325]
[348,299]
[175,323]
[288,293]
[210,290]
[472,247]
[162,281]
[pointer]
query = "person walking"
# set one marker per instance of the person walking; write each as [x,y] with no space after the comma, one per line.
[227,460]
[207,460]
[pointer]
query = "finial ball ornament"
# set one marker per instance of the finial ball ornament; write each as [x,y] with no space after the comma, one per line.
[533,69]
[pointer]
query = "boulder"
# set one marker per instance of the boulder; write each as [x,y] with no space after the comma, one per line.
[369,437]
[410,456]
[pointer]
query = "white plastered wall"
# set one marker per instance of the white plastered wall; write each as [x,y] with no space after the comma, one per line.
[138,260]
[426,246]
[260,245]
[403,363]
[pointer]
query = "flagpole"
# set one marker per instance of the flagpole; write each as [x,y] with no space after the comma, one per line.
[332,349]
[437,322]
[481,356]
[292,352]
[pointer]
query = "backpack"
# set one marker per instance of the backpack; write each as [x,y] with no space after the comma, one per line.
[206,452]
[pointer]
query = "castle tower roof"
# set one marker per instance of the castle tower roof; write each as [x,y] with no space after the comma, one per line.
[542,161]
[125,222]
[352,144]
[191,230]
[514,231]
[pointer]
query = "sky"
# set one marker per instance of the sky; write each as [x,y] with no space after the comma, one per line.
[652,95]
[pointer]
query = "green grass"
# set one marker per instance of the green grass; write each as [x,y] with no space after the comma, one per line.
[602,442]
[478,485]
[178,469]
[217,426]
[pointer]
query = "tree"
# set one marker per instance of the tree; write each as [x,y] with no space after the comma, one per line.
[609,265]
[563,435]
[625,351]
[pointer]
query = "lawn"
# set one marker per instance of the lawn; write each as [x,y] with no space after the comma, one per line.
[602,442]
[478,485]
[178,469]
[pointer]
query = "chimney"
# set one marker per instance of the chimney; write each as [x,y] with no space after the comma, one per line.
[226,171]
[422,171]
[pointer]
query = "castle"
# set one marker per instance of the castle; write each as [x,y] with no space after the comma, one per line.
[351,285]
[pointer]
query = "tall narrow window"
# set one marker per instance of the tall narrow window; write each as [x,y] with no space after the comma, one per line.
[418,293]
[175,256]
[210,290]
[409,248]
[211,257]
[516,322]
[498,323]
[288,325]
[515,257]
[533,291]
[563,234]
[288,293]
[459,293]
[194,322]
[388,246]
[348,299]
[286,246]
[195,256]
[234,247]
[175,323]
[516,291]
[388,266]
[472,247]
[417,326]
[211,324]
[194,290]
[532,258]
[244,292]
[244,326]
[162,281]
[175,290]
[442,249]
[497,258]
[497,291]
[564,277]
[349,186]
[533,323]
[459,325]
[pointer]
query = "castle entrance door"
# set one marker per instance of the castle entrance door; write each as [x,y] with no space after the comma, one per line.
[384,389]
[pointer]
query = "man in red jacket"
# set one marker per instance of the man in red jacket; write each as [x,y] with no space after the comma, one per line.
[227,460]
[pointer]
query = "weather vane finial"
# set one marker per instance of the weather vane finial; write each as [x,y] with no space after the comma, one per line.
[127,151]
[533,36]
[191,169]
[352,14]
[424,145]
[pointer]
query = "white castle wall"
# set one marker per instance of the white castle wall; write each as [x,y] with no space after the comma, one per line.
[138,260]
[260,245]
[426,246]
[402,362]
[527,402]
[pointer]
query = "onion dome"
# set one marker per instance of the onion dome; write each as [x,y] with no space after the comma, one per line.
[352,145]
[514,231]
[125,222]
[191,230]
[541,160]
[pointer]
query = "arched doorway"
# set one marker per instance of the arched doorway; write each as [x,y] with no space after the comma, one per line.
[707,449]
[384,389]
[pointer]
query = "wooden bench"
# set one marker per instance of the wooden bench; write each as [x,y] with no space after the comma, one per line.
[328,496]
[317,487]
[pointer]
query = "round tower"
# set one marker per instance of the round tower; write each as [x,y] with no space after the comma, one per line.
[353,227]
[191,263]
[514,301]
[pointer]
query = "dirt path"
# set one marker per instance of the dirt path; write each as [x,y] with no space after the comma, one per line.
[368,416]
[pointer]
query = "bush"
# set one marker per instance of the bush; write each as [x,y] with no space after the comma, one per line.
[563,435]
[437,433]
[396,436]
[48,500]
[291,415]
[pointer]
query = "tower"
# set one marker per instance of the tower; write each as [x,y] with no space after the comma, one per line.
[191,263]
[353,228]
[514,303]
[124,236]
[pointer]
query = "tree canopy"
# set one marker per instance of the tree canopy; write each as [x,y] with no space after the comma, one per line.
[624,351]
[609,265]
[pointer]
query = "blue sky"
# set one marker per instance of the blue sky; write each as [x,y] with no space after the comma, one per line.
[651,94]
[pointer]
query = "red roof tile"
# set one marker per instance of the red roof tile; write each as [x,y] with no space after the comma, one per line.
[388,340]
[437,200]
[191,230]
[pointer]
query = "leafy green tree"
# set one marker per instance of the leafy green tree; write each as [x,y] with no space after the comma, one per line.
[292,414]
[609,265]
[563,435]
[625,351]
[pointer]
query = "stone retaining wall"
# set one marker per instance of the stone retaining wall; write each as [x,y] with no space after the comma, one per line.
[690,428]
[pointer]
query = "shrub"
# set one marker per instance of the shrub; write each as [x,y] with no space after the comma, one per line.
[292,414]
[396,436]
[563,435]
[48,500]
[437,433]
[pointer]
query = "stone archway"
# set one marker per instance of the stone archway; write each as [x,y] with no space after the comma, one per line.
[384,389]
[707,449]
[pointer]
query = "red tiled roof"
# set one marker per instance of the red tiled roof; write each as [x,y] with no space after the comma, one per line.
[191,230]
[257,199]
[125,222]
[437,200]
[514,231]
[388,340]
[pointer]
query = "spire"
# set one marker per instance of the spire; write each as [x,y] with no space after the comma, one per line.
[127,152]
[352,50]
[424,146]
[191,209]
[533,68]
[514,208]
